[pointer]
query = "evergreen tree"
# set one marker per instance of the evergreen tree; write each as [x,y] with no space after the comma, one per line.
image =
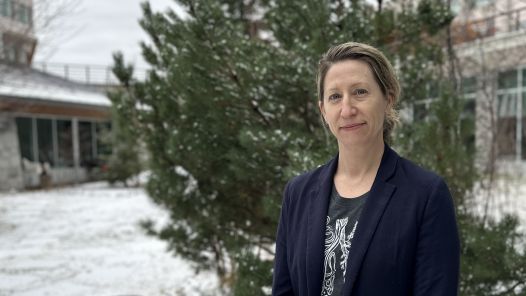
[124,161]
[229,115]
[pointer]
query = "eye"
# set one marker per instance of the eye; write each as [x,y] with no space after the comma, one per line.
[360,92]
[334,97]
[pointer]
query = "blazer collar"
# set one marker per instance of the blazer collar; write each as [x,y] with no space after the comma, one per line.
[379,196]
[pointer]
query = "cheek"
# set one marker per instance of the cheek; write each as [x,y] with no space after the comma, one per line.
[379,112]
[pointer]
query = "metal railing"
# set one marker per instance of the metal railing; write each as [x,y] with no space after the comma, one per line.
[497,24]
[86,74]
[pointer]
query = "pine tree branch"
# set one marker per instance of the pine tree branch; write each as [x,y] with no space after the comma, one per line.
[510,289]
[235,78]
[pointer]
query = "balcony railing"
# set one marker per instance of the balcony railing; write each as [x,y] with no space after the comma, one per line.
[86,74]
[502,23]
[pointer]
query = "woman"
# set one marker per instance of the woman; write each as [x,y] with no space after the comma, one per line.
[368,222]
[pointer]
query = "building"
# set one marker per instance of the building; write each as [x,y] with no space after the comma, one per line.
[490,42]
[50,127]
[17,38]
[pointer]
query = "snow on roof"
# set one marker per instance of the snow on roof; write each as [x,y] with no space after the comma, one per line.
[27,83]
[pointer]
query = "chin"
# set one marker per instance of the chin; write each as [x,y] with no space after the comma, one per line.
[352,142]
[358,141]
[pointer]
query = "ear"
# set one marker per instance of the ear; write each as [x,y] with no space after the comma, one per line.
[390,101]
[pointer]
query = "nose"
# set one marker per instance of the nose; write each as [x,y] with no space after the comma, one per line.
[348,107]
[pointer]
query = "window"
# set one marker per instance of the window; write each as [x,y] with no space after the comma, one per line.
[467,117]
[24,126]
[506,125]
[455,7]
[23,14]
[29,14]
[51,140]
[86,138]
[469,85]
[6,8]
[469,92]
[45,141]
[468,110]
[65,143]
[478,3]
[507,79]
[511,116]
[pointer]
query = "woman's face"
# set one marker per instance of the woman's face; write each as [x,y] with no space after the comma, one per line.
[353,104]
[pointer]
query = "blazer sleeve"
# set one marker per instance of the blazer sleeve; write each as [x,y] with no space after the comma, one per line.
[438,247]
[281,283]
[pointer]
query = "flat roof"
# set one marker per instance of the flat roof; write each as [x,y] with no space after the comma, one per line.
[27,83]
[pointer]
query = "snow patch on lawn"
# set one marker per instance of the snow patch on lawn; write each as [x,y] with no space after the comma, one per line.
[86,240]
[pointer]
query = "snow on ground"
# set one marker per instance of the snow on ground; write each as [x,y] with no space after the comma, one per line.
[85,240]
[508,196]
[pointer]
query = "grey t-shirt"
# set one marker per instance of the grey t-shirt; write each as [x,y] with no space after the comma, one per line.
[342,220]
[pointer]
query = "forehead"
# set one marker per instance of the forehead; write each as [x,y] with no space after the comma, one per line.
[349,71]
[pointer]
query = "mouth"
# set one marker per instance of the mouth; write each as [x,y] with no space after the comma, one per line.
[352,126]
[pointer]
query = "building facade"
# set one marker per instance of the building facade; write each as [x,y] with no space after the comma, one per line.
[490,43]
[17,37]
[51,128]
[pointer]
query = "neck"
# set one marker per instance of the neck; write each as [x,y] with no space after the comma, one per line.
[357,162]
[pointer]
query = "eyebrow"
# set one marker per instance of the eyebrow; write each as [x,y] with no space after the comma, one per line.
[352,85]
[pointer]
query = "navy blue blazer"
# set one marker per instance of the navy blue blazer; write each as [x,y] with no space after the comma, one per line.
[406,242]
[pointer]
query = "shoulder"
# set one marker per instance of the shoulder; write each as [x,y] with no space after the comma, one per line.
[303,184]
[415,175]
[421,186]
[306,180]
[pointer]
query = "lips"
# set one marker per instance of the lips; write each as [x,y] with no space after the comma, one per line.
[352,126]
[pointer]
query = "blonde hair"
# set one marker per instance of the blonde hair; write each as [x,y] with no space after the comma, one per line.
[381,68]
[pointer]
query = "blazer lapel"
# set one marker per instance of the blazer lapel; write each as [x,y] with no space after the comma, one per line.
[317,216]
[379,197]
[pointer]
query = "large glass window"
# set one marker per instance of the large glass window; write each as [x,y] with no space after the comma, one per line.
[507,125]
[45,141]
[65,143]
[51,140]
[86,144]
[511,123]
[24,127]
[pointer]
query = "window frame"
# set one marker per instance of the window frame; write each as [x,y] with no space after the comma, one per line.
[518,91]
[55,143]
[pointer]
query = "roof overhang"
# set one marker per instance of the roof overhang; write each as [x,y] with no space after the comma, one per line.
[24,83]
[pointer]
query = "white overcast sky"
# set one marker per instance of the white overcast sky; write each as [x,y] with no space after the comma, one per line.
[96,29]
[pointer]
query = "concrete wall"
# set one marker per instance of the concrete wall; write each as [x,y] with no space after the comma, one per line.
[10,168]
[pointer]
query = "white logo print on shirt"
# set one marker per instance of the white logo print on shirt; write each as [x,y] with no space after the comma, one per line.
[334,239]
